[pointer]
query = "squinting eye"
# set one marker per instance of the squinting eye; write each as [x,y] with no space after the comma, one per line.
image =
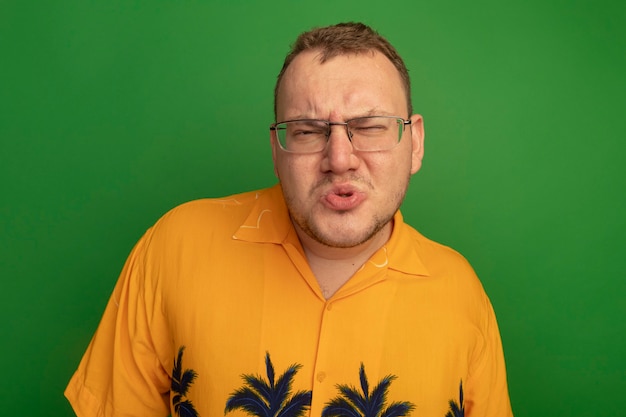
[303,129]
[370,127]
[303,132]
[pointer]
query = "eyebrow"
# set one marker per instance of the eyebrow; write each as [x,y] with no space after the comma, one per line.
[368,113]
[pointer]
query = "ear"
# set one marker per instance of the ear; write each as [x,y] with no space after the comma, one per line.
[417,138]
[274,144]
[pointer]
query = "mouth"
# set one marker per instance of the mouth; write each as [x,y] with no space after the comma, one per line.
[343,190]
[343,198]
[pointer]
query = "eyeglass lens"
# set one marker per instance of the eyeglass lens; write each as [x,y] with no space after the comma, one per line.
[366,133]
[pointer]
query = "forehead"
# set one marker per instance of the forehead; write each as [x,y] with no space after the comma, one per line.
[341,84]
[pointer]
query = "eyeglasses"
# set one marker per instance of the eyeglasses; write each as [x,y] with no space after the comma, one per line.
[370,133]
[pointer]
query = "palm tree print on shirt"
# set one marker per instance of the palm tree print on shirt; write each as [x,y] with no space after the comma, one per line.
[181,381]
[352,403]
[457,409]
[268,398]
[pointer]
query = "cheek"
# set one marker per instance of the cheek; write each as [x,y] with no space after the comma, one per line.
[282,166]
[389,166]
[295,173]
[284,169]
[297,166]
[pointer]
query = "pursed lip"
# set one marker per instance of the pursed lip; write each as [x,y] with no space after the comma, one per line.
[343,197]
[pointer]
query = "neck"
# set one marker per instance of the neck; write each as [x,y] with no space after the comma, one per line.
[333,266]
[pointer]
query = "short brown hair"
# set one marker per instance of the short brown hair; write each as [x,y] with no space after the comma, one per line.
[343,39]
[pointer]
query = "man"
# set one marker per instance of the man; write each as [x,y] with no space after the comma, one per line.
[312,297]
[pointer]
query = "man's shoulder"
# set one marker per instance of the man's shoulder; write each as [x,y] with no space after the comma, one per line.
[437,257]
[217,204]
[448,270]
[210,213]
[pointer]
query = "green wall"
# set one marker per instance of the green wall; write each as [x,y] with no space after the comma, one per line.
[112,112]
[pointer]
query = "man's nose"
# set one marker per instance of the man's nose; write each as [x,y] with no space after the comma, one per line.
[340,156]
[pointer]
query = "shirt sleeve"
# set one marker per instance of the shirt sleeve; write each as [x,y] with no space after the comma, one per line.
[487,393]
[122,372]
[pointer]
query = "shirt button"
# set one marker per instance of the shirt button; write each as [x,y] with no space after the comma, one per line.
[329,306]
[321,376]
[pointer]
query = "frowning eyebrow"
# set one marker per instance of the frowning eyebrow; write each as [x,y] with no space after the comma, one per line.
[372,112]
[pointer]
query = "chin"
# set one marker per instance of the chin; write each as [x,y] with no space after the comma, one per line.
[340,244]
[343,238]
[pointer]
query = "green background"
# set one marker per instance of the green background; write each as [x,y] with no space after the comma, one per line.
[112,112]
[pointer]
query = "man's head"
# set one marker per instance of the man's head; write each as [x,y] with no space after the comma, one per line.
[341,195]
[346,39]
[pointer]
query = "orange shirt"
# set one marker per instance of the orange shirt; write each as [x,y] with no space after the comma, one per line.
[217,312]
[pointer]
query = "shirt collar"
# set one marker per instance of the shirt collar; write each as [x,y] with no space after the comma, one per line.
[269,222]
[402,249]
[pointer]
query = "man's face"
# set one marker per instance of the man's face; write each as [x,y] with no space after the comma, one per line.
[342,197]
